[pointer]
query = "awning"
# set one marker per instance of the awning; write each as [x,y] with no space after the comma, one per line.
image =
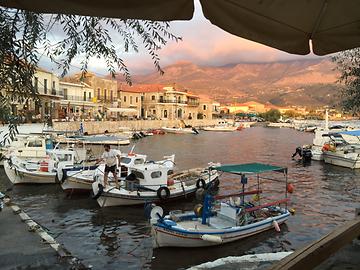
[331,25]
[122,110]
[249,168]
[351,132]
[154,10]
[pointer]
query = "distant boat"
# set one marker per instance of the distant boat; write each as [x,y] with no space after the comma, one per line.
[95,140]
[180,130]
[221,128]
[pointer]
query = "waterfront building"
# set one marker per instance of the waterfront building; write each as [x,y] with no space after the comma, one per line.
[104,90]
[170,103]
[46,84]
[77,102]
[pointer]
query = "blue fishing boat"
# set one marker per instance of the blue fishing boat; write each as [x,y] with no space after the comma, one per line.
[233,218]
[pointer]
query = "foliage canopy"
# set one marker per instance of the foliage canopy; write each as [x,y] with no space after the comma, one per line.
[348,63]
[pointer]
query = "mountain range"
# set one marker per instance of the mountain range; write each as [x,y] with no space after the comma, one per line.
[308,82]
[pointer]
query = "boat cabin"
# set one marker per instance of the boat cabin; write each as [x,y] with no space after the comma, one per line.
[151,174]
[30,146]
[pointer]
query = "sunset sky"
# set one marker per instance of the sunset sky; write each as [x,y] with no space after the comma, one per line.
[203,44]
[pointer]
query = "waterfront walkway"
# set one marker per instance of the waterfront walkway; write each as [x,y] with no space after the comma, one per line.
[22,249]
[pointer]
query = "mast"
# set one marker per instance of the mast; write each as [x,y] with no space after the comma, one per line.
[326,119]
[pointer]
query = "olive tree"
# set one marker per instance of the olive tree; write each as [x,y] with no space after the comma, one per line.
[28,36]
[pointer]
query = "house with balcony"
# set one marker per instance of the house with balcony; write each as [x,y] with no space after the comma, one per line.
[77,102]
[46,84]
[170,103]
[104,90]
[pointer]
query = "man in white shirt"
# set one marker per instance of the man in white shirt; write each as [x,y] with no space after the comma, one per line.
[112,160]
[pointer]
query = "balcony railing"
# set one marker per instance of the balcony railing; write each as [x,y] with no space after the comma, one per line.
[192,103]
[76,98]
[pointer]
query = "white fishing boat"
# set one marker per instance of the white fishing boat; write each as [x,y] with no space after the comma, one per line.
[27,146]
[154,182]
[180,130]
[80,178]
[347,155]
[325,136]
[211,224]
[95,139]
[25,171]
[221,127]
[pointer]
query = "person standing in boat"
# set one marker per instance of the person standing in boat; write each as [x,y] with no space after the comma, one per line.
[112,160]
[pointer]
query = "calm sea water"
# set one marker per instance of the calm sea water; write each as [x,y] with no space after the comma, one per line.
[119,237]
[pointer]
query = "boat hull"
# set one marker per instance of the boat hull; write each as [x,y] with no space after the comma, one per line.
[71,184]
[17,176]
[115,197]
[172,237]
[343,161]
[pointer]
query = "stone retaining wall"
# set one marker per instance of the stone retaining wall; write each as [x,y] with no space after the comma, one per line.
[98,127]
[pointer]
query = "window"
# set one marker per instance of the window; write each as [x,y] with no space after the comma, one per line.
[53,86]
[138,174]
[165,114]
[142,98]
[35,143]
[125,160]
[84,96]
[36,83]
[156,174]
[89,95]
[131,99]
[98,93]
[111,95]
[138,161]
[45,86]
[152,97]
[136,99]
[204,107]
[154,111]
[104,94]
[124,98]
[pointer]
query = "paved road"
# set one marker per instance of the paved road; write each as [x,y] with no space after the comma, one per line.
[21,249]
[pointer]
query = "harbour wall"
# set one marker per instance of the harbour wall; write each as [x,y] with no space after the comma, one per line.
[99,127]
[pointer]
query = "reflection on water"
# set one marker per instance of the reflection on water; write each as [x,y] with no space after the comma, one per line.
[118,238]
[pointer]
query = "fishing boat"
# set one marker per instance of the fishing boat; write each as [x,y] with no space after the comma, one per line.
[81,178]
[95,139]
[215,224]
[222,127]
[29,171]
[344,155]
[180,130]
[154,182]
[27,146]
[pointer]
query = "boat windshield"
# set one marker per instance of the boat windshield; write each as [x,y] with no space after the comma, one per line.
[125,160]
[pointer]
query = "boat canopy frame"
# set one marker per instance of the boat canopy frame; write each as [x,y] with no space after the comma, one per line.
[249,168]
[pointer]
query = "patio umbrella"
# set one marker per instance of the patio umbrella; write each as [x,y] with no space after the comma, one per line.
[331,25]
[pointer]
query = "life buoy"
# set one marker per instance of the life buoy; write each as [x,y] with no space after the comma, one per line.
[163,193]
[100,191]
[200,183]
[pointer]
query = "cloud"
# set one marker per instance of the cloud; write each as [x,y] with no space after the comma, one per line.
[203,44]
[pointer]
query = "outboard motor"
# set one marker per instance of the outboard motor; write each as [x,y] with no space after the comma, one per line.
[304,153]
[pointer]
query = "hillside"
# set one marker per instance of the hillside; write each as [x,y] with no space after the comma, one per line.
[297,82]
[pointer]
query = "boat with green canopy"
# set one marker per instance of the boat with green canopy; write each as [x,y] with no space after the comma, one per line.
[226,218]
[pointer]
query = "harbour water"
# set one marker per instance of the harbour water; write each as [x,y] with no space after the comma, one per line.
[119,237]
